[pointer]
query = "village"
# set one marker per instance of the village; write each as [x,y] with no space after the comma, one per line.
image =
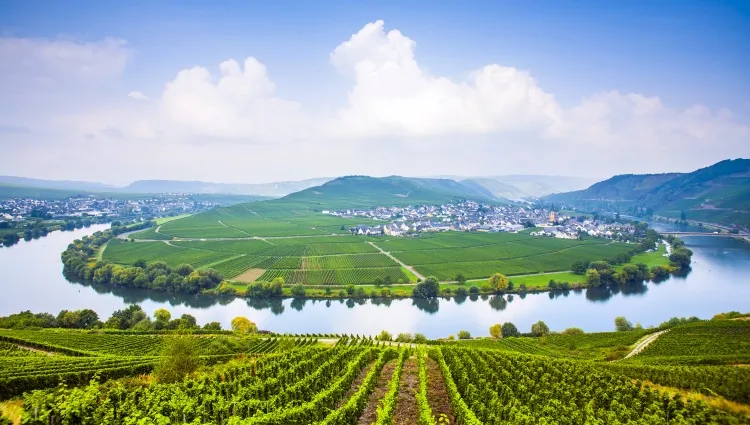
[17,210]
[470,216]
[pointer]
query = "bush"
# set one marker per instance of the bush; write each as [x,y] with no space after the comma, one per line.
[464,334]
[474,290]
[573,331]
[298,291]
[461,292]
[180,359]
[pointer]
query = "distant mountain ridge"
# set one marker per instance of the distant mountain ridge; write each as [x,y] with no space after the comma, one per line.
[55,184]
[521,187]
[719,193]
[275,189]
[365,191]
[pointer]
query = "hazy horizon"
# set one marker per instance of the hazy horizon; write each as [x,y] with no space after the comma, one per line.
[252,93]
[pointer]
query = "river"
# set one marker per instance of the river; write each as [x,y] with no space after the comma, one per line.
[719,281]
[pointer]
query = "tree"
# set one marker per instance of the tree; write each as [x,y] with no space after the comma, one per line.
[509,329]
[461,279]
[180,358]
[592,277]
[430,288]
[496,331]
[498,282]
[140,263]
[573,331]
[462,334]
[184,269]
[404,337]
[681,257]
[243,325]
[420,338]
[622,324]
[162,315]
[384,336]
[212,326]
[298,291]
[388,281]
[539,329]
[579,267]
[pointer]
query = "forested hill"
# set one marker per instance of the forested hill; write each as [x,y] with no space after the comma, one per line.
[363,191]
[719,193]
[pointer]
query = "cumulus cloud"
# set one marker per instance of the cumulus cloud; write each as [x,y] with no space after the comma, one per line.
[63,58]
[137,95]
[240,103]
[392,94]
[393,105]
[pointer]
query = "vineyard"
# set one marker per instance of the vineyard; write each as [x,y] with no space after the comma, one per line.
[353,379]
[348,259]
[712,342]
[31,359]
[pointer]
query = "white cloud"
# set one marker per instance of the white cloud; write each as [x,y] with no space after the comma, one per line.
[393,95]
[397,118]
[137,95]
[40,57]
[239,104]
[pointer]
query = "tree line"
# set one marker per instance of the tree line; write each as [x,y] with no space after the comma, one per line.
[156,275]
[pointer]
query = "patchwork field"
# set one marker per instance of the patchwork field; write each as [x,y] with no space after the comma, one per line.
[268,240]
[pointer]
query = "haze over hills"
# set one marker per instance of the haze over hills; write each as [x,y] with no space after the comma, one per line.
[513,187]
[518,187]
[719,193]
[274,189]
[364,191]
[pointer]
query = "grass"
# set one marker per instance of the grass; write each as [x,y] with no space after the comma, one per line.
[12,409]
[714,401]
[542,280]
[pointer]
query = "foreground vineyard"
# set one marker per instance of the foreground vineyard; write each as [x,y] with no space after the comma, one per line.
[332,379]
[335,385]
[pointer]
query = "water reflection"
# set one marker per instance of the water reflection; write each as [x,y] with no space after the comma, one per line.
[32,279]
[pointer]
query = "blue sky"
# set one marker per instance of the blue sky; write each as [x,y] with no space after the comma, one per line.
[570,62]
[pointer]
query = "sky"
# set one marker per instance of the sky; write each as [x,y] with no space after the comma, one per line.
[253,92]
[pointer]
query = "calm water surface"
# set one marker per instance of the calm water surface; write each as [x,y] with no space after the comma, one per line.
[719,281]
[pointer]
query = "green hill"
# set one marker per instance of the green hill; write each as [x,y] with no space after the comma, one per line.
[719,193]
[364,191]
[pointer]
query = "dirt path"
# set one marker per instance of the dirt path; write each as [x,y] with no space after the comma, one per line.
[35,350]
[370,414]
[641,345]
[407,412]
[437,393]
[401,263]
[355,385]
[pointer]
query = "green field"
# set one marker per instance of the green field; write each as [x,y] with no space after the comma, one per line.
[294,240]
[552,379]
[348,259]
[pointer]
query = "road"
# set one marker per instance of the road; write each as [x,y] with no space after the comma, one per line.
[644,343]
[410,268]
